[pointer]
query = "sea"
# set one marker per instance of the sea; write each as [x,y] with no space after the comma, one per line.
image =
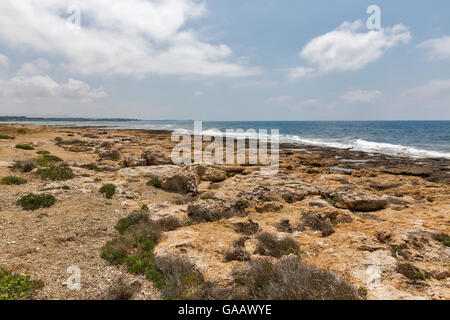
[416,139]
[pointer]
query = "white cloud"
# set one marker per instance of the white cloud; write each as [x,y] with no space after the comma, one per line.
[362,96]
[27,85]
[36,67]
[347,48]
[289,101]
[4,66]
[255,84]
[133,37]
[300,72]
[31,88]
[432,89]
[198,93]
[438,48]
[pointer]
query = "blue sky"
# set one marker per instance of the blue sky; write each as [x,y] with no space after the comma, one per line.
[226,60]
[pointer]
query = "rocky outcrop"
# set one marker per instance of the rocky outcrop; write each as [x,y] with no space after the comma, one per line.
[355,200]
[211,210]
[184,180]
[155,158]
[212,174]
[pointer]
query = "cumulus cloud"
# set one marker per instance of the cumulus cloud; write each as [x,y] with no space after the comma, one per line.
[348,48]
[362,96]
[438,48]
[133,37]
[28,85]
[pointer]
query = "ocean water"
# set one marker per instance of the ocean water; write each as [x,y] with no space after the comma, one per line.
[427,139]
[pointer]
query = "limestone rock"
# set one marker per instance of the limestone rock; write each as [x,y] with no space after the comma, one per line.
[355,200]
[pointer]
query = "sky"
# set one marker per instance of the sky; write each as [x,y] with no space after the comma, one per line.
[226,60]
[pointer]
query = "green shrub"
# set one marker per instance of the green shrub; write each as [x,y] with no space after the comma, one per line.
[5,137]
[270,245]
[108,190]
[17,286]
[12,180]
[24,147]
[36,201]
[241,205]
[144,207]
[55,173]
[290,279]
[21,131]
[91,166]
[48,160]
[43,152]
[155,183]
[24,165]
[132,219]
[175,277]
[65,187]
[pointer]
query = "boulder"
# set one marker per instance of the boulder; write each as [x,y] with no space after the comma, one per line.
[155,158]
[183,180]
[210,210]
[210,174]
[355,200]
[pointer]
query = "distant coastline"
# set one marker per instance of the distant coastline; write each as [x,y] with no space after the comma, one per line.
[23,118]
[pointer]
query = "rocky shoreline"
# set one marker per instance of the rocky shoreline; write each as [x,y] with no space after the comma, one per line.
[382,223]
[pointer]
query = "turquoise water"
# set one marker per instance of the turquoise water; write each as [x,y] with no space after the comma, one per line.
[410,138]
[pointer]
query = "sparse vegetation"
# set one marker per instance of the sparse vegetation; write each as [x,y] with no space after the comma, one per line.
[285,226]
[17,286]
[317,222]
[108,190]
[290,279]
[6,137]
[92,166]
[24,165]
[442,238]
[24,147]
[236,254]
[36,201]
[43,152]
[409,271]
[248,228]
[144,207]
[21,131]
[155,182]
[48,160]
[56,173]
[175,277]
[241,205]
[13,180]
[113,155]
[270,245]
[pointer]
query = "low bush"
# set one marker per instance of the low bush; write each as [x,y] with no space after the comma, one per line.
[316,222]
[236,254]
[92,166]
[285,226]
[13,180]
[155,182]
[17,286]
[43,152]
[290,279]
[175,277]
[6,137]
[24,147]
[270,245]
[248,228]
[48,160]
[108,190]
[56,173]
[241,205]
[36,201]
[24,165]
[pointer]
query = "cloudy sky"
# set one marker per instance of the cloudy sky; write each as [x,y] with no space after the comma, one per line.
[225,60]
